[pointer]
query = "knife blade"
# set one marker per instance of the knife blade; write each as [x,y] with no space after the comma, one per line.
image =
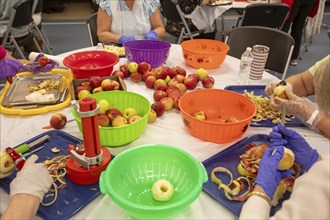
[32,151]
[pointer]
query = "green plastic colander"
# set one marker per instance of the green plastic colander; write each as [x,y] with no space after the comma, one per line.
[117,136]
[129,178]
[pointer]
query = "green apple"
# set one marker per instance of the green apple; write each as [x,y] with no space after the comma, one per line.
[202,73]
[152,116]
[104,106]
[83,94]
[200,115]
[129,112]
[132,67]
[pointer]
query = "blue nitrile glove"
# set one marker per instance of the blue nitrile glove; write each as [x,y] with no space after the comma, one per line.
[304,154]
[123,39]
[268,175]
[36,68]
[151,35]
[10,67]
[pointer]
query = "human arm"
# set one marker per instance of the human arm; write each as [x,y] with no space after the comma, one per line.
[103,26]
[30,184]
[157,24]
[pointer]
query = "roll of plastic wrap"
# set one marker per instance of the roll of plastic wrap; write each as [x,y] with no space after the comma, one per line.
[33,55]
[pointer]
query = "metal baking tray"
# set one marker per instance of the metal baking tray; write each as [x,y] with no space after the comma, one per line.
[221,2]
[19,90]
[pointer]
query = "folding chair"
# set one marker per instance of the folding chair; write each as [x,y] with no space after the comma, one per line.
[280,43]
[21,14]
[37,8]
[92,29]
[265,14]
[172,11]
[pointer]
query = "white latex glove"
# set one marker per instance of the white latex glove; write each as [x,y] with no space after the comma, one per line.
[297,106]
[271,86]
[33,179]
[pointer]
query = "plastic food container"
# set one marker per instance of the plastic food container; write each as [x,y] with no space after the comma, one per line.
[154,52]
[204,53]
[117,136]
[220,107]
[129,178]
[91,63]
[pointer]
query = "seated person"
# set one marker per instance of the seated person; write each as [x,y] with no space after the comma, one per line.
[121,21]
[303,84]
[187,7]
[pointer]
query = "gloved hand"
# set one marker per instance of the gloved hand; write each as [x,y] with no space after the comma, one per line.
[305,156]
[10,67]
[269,89]
[36,68]
[123,39]
[151,35]
[33,179]
[297,106]
[268,175]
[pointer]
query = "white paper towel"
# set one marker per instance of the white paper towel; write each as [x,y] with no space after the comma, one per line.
[33,55]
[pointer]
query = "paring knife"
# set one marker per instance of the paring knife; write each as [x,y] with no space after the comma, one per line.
[32,151]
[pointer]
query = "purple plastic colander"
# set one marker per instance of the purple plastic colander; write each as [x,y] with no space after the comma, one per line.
[154,52]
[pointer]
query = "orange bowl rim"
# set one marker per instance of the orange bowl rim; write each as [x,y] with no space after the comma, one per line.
[225,51]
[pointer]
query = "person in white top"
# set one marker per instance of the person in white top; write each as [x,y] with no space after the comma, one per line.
[120,21]
[310,197]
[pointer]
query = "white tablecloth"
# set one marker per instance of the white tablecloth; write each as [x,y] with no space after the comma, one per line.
[167,129]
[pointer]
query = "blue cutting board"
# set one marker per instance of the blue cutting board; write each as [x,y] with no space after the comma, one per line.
[260,90]
[229,158]
[72,198]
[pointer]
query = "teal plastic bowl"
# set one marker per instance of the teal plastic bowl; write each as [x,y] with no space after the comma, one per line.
[129,178]
[118,136]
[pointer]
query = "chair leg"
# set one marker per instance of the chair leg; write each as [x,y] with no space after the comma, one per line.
[18,49]
[181,35]
[45,42]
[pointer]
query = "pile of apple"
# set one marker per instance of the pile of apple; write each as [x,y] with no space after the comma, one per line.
[169,83]
[113,117]
[95,84]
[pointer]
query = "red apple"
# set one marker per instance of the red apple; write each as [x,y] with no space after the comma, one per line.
[118,73]
[179,71]
[195,75]
[143,67]
[136,77]
[168,71]
[134,118]
[174,94]
[190,82]
[43,61]
[116,85]
[150,81]
[159,73]
[87,85]
[119,121]
[107,85]
[179,78]
[112,113]
[146,75]
[159,82]
[124,69]
[95,81]
[58,121]
[171,88]
[168,103]
[79,88]
[176,103]
[208,82]
[103,120]
[159,94]
[159,108]
[182,88]
[172,82]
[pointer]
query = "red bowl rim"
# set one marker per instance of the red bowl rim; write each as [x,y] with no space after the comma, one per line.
[66,59]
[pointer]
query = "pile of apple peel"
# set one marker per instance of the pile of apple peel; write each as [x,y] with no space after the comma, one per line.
[264,109]
[239,188]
